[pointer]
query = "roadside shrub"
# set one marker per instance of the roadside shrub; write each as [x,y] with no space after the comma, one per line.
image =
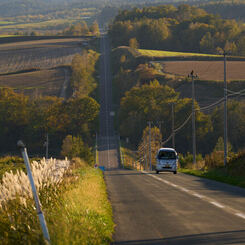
[187,161]
[214,160]
[236,166]
[75,147]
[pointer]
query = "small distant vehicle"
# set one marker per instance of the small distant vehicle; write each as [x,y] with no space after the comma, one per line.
[167,160]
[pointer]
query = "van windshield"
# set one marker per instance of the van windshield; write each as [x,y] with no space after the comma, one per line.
[166,155]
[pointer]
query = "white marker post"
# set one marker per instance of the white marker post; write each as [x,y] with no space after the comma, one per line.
[41,217]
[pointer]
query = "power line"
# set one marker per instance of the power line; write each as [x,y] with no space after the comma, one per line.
[184,123]
[210,106]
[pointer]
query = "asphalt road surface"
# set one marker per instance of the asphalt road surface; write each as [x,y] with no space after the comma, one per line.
[174,209]
[107,139]
[165,208]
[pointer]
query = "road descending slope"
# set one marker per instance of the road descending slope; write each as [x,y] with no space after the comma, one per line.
[107,140]
[165,208]
[175,209]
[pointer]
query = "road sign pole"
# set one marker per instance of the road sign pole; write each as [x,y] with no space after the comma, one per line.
[34,191]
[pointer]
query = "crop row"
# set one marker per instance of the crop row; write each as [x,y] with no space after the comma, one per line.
[13,61]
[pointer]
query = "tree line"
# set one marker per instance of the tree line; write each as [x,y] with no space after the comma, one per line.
[72,121]
[82,29]
[22,117]
[182,28]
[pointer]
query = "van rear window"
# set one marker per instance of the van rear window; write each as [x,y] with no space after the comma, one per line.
[166,155]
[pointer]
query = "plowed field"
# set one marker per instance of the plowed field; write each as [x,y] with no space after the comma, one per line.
[44,58]
[206,70]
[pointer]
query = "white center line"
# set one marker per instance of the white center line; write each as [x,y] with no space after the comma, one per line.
[240,215]
[198,195]
[204,198]
[217,204]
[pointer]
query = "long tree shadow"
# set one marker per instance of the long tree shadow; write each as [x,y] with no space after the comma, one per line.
[222,187]
[229,237]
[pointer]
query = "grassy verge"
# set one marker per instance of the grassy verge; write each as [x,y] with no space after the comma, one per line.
[219,174]
[77,212]
[84,215]
[130,158]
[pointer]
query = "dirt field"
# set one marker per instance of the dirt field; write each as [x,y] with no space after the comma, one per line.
[44,55]
[43,82]
[207,70]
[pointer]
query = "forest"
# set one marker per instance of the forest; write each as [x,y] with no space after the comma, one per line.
[182,28]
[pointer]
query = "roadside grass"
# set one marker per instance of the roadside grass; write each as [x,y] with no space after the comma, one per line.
[129,158]
[77,212]
[84,215]
[211,167]
[161,53]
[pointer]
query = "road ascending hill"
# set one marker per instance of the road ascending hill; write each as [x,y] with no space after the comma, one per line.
[107,140]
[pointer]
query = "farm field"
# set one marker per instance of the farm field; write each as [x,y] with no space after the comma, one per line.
[42,82]
[206,70]
[162,53]
[38,66]
[43,54]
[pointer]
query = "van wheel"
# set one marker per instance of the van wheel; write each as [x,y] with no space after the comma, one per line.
[157,172]
[175,172]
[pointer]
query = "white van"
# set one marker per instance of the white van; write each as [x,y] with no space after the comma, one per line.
[167,160]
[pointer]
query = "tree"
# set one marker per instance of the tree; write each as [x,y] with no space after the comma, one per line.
[82,113]
[83,68]
[207,43]
[220,145]
[142,104]
[133,43]
[143,148]
[75,147]
[94,29]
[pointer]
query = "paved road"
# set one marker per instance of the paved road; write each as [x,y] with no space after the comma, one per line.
[107,140]
[175,209]
[165,208]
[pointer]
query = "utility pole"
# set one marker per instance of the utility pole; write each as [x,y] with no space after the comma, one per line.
[173,134]
[193,117]
[225,111]
[149,123]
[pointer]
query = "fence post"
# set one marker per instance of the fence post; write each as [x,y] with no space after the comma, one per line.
[40,214]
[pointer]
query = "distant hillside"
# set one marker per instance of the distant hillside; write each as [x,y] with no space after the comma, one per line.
[230,10]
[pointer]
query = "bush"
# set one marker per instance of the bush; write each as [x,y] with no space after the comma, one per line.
[214,160]
[75,147]
[236,166]
[187,161]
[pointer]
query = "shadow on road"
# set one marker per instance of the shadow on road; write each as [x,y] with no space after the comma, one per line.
[125,172]
[230,237]
[222,187]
